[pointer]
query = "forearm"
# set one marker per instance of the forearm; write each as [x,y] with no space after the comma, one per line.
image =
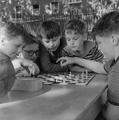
[18,63]
[77,69]
[26,64]
[90,64]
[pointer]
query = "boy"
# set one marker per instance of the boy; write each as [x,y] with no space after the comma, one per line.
[12,39]
[106,32]
[29,52]
[50,47]
[77,46]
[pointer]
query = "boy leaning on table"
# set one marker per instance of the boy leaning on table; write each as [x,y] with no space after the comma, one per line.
[12,39]
[77,46]
[106,32]
[28,54]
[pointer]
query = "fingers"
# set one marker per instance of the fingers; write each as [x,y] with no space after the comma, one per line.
[64,63]
[36,69]
[61,59]
[32,68]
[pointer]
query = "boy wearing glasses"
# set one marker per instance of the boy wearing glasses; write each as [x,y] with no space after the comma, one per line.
[29,52]
[50,47]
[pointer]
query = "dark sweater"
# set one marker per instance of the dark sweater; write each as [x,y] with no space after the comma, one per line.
[112,68]
[47,61]
[7,74]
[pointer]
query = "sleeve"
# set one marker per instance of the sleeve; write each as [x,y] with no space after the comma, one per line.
[113,87]
[68,52]
[7,76]
[46,65]
[97,54]
[65,53]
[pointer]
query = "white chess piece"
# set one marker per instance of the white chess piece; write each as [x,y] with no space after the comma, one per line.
[86,74]
[82,77]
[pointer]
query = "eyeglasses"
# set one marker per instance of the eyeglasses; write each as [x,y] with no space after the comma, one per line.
[31,52]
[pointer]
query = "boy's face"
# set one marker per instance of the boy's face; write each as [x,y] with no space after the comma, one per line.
[30,51]
[106,46]
[51,44]
[12,46]
[73,39]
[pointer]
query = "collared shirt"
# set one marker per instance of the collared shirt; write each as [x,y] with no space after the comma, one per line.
[112,68]
[7,74]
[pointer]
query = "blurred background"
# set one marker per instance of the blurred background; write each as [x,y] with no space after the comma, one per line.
[30,13]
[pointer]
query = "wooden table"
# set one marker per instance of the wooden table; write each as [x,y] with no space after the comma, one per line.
[57,102]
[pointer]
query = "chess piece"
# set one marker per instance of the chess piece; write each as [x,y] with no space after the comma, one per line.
[86,74]
[82,77]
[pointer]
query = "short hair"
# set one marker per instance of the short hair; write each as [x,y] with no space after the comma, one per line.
[32,39]
[107,24]
[50,29]
[13,30]
[78,26]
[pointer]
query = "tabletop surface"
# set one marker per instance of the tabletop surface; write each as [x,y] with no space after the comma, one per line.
[56,102]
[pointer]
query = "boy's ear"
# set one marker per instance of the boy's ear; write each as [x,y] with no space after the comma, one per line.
[115,40]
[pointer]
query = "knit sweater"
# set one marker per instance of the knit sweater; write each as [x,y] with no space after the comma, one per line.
[47,60]
[91,52]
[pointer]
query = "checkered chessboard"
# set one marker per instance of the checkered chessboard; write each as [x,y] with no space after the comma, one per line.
[82,78]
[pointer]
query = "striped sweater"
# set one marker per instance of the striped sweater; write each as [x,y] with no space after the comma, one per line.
[91,52]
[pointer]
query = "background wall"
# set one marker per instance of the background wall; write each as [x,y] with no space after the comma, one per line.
[30,13]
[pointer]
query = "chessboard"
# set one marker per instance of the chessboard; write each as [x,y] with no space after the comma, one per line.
[82,78]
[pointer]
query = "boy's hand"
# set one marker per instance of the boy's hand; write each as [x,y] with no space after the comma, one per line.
[29,65]
[23,73]
[65,61]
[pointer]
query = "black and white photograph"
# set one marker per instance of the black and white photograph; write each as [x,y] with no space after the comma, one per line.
[59,59]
